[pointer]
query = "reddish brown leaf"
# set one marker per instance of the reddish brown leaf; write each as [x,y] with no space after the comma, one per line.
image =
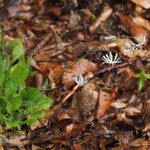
[54,10]
[105,101]
[77,147]
[142,22]
[82,67]
[136,31]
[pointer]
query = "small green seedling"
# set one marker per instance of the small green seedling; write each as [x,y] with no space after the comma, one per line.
[20,104]
[142,75]
[93,16]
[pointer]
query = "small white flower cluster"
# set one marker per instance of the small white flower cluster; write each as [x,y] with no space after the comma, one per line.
[80,80]
[109,59]
[133,46]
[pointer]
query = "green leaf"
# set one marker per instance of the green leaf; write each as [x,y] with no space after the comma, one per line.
[147,76]
[33,94]
[140,85]
[10,88]
[31,121]
[20,71]
[17,49]
[15,103]
[138,75]
[37,115]
[45,104]
[93,16]
[1,39]
[2,77]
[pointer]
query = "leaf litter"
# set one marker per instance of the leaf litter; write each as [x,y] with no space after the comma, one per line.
[97,105]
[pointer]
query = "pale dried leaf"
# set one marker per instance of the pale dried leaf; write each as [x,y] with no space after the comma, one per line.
[142,22]
[118,104]
[143,3]
[74,20]
[132,111]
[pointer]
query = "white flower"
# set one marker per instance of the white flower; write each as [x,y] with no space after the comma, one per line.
[109,59]
[132,46]
[80,80]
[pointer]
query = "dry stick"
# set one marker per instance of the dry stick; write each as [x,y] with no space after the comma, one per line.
[40,45]
[55,108]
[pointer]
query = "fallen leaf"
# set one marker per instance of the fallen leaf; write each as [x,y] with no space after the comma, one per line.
[140,142]
[143,3]
[87,100]
[118,104]
[105,101]
[124,137]
[135,30]
[77,147]
[127,70]
[107,11]
[81,67]
[63,116]
[142,22]
[146,112]
[124,45]
[74,20]
[54,10]
[132,111]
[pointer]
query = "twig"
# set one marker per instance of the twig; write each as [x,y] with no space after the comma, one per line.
[55,108]
[40,45]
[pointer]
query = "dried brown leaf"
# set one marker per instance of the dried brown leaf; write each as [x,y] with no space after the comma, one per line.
[89,97]
[143,3]
[127,70]
[105,101]
[140,142]
[135,30]
[54,10]
[132,111]
[124,137]
[142,22]
[82,67]
[146,111]
[118,104]
[77,147]
[107,11]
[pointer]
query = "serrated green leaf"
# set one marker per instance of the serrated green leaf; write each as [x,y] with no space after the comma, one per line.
[10,88]
[33,94]
[31,121]
[15,103]
[20,71]
[17,49]
[45,104]
[37,115]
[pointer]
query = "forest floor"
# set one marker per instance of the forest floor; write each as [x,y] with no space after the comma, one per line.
[94,57]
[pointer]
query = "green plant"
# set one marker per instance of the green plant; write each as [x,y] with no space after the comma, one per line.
[142,75]
[19,104]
